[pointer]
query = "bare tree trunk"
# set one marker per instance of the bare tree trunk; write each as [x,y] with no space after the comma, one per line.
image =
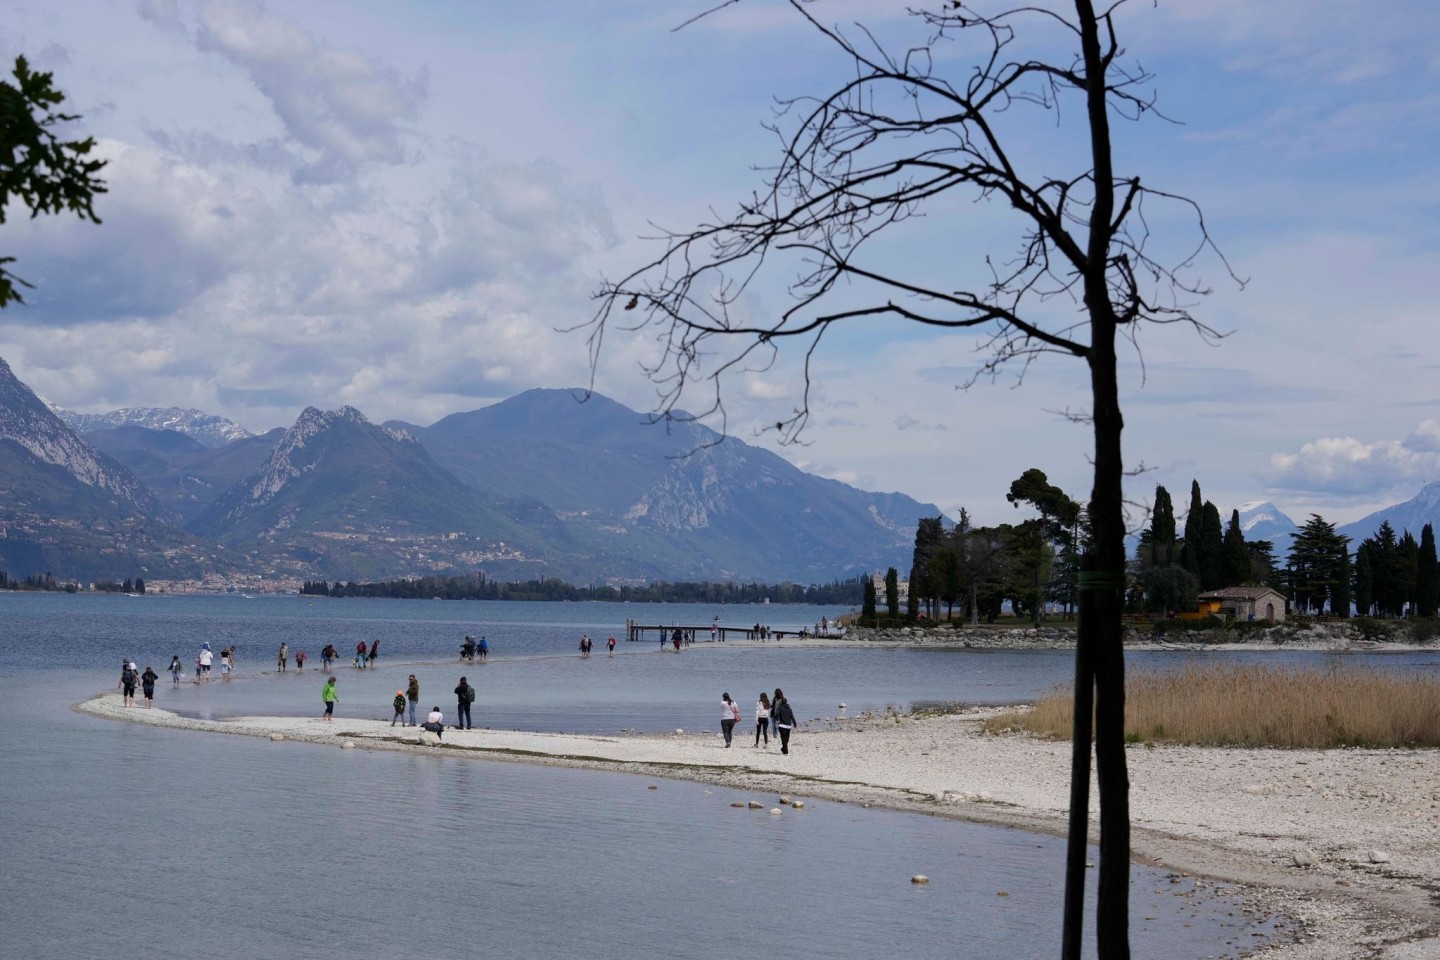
[1079,835]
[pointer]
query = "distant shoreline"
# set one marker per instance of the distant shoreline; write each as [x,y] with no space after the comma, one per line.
[1366,817]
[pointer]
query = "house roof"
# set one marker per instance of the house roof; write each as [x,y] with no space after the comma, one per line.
[1239,593]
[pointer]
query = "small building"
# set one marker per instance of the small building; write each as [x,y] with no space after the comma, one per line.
[1245,603]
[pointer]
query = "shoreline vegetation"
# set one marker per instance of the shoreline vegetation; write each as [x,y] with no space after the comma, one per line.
[1259,706]
[1342,844]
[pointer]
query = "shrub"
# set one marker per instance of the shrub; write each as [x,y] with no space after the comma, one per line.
[1373,629]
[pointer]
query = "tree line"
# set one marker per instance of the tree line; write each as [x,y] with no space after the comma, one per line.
[478,586]
[1034,565]
[46,582]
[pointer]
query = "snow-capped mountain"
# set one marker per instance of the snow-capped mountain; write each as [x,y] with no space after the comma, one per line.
[28,423]
[210,431]
[1262,520]
[1411,515]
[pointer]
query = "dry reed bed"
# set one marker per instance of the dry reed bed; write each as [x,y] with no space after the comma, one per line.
[1260,706]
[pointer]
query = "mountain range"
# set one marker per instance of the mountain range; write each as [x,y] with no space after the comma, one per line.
[539,485]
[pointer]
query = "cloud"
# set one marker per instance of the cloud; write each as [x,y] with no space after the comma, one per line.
[343,110]
[1349,467]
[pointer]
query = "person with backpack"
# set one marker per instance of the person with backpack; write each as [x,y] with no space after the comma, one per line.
[464,696]
[147,686]
[399,708]
[729,715]
[784,720]
[128,677]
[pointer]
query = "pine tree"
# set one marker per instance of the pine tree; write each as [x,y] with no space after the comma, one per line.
[1407,570]
[1318,561]
[1235,558]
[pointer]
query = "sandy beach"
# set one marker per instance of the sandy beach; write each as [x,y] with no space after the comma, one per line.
[1343,843]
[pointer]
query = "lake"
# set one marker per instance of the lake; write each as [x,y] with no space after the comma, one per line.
[183,844]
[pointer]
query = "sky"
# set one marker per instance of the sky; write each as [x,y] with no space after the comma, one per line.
[409,206]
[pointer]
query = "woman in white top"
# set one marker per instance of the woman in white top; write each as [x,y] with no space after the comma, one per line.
[729,715]
[762,720]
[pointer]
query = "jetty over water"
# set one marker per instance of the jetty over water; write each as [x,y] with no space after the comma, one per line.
[637,632]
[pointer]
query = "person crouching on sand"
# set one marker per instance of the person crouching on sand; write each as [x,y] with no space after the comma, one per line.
[327,694]
[435,723]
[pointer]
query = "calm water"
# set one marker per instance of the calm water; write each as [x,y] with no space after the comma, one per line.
[205,845]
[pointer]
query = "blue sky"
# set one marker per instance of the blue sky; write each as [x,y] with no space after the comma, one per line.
[401,205]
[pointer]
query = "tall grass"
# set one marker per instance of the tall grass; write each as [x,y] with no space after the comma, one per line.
[1260,706]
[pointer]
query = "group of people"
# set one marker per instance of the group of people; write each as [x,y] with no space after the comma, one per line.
[586,644]
[282,657]
[772,716]
[130,676]
[435,721]
[469,650]
[204,660]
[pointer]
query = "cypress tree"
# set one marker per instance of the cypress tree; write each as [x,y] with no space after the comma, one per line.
[1408,567]
[1427,575]
[1340,595]
[1162,530]
[1235,558]
[892,592]
[1194,523]
[1212,548]
[867,606]
[1364,581]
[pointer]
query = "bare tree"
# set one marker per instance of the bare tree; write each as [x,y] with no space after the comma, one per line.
[886,145]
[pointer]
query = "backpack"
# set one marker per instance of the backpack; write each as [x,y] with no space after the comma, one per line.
[127,677]
[469,694]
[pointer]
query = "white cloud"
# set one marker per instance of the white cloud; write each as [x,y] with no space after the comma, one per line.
[1349,467]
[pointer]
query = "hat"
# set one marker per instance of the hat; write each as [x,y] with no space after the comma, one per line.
[399,693]
[205,645]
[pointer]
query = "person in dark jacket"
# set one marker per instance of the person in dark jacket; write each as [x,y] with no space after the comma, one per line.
[784,720]
[464,696]
[147,686]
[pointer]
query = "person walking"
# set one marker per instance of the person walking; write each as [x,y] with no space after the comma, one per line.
[328,695]
[484,649]
[399,704]
[282,656]
[729,714]
[128,677]
[584,645]
[762,720]
[374,652]
[147,686]
[226,664]
[784,719]
[362,655]
[775,699]
[176,669]
[464,696]
[328,653]
[300,660]
[412,694]
[611,644]
[206,658]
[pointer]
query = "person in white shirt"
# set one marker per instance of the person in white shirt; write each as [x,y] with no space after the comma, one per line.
[206,657]
[729,714]
[762,720]
[435,722]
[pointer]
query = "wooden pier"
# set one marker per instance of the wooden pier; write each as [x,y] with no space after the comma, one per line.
[637,632]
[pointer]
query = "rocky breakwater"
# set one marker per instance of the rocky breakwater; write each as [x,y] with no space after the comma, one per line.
[977,637]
